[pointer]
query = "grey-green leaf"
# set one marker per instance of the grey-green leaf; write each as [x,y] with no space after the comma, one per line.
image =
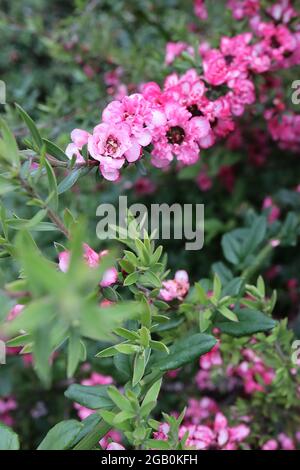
[185,351]
[249,322]
[93,397]
[8,438]
[61,436]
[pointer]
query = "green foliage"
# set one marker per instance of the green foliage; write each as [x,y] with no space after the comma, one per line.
[8,439]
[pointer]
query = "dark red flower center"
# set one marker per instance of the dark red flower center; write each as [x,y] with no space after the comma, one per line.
[275,44]
[194,110]
[175,135]
[229,59]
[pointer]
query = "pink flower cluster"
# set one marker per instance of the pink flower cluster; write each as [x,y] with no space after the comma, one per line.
[207,428]
[281,11]
[93,260]
[243,8]
[283,442]
[193,111]
[252,373]
[255,375]
[200,9]
[176,288]
[284,128]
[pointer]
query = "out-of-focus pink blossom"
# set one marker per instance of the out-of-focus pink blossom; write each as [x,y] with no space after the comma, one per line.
[271,444]
[200,9]
[93,260]
[175,49]
[273,209]
[176,288]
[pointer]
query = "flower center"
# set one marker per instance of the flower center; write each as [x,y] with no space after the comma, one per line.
[229,59]
[175,135]
[112,145]
[275,44]
[194,110]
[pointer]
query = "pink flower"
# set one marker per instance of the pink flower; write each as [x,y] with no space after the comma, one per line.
[243,8]
[239,433]
[212,358]
[243,93]
[144,186]
[175,49]
[282,11]
[176,288]
[204,181]
[93,260]
[286,442]
[200,9]
[136,112]
[15,311]
[97,379]
[109,278]
[199,410]
[7,405]
[215,68]
[199,437]
[180,136]
[111,145]
[112,437]
[271,444]
[162,433]
[115,446]
[273,210]
[79,138]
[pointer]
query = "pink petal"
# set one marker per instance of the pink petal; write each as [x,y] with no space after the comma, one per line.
[63,261]
[109,277]
[109,173]
[133,153]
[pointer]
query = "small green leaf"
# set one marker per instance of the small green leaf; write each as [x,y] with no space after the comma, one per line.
[155,444]
[150,279]
[31,126]
[152,394]
[52,185]
[131,279]
[107,352]
[70,180]
[138,368]
[128,334]
[74,353]
[54,150]
[227,313]
[120,400]
[217,287]
[159,346]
